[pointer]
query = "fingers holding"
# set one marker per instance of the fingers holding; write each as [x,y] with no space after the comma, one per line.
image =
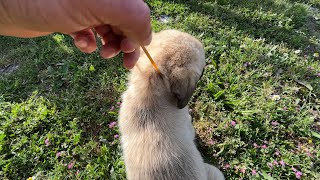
[130,59]
[110,49]
[85,40]
[113,42]
[110,41]
[105,33]
[127,46]
[113,48]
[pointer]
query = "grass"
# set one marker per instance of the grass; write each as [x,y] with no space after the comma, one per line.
[257,105]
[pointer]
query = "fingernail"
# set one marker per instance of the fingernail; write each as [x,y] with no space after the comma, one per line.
[108,53]
[82,43]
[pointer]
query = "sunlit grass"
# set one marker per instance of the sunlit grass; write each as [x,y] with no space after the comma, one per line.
[256,109]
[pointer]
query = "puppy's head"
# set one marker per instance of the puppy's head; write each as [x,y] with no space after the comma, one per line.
[181,60]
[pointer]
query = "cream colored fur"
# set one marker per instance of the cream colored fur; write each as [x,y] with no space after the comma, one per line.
[156,132]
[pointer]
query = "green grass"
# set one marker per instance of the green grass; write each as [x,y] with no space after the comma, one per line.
[261,87]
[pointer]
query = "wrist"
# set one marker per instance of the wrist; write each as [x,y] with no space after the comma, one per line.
[8,24]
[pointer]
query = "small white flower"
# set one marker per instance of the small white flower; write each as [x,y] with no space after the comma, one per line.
[297,51]
[275,97]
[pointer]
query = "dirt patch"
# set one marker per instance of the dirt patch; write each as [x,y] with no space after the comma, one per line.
[9,69]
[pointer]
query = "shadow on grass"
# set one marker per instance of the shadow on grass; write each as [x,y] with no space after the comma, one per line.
[286,67]
[315,4]
[276,22]
[263,27]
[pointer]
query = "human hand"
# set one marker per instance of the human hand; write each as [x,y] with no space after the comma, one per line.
[123,25]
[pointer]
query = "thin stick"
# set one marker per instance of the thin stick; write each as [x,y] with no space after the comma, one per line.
[151,60]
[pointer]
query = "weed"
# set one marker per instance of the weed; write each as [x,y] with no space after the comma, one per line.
[255,111]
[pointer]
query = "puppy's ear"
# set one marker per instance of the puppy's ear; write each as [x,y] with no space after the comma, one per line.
[182,87]
[183,96]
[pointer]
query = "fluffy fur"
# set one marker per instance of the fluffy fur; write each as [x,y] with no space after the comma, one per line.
[157,134]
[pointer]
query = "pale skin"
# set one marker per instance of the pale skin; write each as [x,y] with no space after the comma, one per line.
[123,25]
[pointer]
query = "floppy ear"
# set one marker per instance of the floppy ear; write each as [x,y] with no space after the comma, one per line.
[182,87]
[184,97]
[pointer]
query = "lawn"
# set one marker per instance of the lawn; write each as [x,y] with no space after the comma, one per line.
[256,109]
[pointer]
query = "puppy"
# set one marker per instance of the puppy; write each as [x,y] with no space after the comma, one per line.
[157,134]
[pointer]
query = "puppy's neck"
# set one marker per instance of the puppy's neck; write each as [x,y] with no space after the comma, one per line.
[149,89]
[149,105]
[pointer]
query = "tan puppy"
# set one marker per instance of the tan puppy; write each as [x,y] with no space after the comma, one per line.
[157,134]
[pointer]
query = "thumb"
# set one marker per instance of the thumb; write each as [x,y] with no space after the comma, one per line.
[131,17]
